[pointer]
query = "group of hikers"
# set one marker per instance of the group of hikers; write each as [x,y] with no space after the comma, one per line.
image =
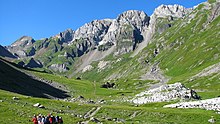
[49,119]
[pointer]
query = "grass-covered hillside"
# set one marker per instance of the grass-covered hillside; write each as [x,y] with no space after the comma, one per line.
[181,51]
[16,108]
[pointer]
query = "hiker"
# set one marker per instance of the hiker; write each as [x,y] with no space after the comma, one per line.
[43,120]
[39,119]
[34,120]
[51,119]
[57,119]
[46,121]
[60,121]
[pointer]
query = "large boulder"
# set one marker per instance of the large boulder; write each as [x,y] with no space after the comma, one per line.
[59,67]
[108,85]
[164,93]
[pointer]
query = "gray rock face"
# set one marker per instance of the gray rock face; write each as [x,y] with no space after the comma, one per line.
[171,10]
[23,42]
[164,11]
[59,67]
[138,19]
[93,31]
[215,11]
[66,36]
[101,32]
[20,53]
[125,40]
[5,53]
[21,46]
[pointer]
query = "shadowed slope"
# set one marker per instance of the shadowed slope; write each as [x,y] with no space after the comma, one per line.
[13,80]
[5,53]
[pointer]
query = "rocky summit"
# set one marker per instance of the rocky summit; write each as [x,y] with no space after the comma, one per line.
[135,68]
[122,35]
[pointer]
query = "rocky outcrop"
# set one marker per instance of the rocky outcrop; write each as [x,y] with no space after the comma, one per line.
[5,53]
[38,105]
[23,42]
[171,10]
[93,31]
[66,36]
[59,67]
[20,53]
[208,71]
[87,68]
[126,31]
[164,93]
[215,11]
[102,65]
[208,104]
[107,31]
[108,85]
[125,40]
[138,19]
[22,47]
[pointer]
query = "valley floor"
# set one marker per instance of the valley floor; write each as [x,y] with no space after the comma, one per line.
[110,110]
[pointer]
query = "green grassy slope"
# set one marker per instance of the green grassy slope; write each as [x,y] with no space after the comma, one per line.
[21,111]
[15,80]
[189,46]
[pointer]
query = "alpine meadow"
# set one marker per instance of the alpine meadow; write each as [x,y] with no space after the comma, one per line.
[134,69]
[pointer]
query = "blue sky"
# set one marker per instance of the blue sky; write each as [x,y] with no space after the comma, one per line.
[45,18]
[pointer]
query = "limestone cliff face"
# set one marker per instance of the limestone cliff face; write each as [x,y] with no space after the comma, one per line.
[129,26]
[22,47]
[102,32]
[93,31]
[130,31]
[65,36]
[171,10]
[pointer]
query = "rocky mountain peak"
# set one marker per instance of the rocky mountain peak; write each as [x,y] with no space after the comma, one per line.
[171,10]
[22,47]
[94,31]
[134,17]
[65,36]
[23,41]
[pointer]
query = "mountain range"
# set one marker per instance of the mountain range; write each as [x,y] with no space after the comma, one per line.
[145,58]
[70,52]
